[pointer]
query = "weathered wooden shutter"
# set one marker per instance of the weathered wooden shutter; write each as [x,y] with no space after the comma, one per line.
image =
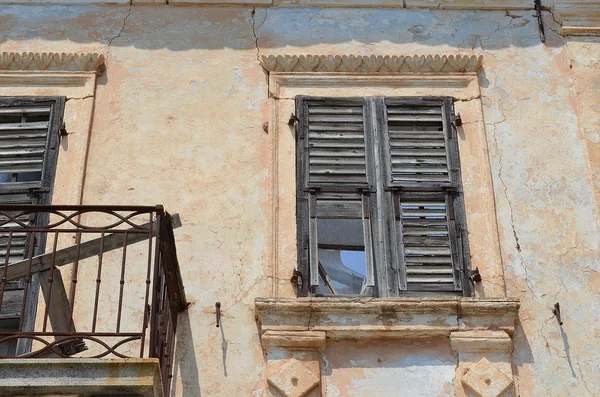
[421,150]
[417,143]
[334,177]
[29,139]
[398,157]
[335,143]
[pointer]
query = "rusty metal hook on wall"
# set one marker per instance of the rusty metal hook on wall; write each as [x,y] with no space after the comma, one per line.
[218,313]
[557,313]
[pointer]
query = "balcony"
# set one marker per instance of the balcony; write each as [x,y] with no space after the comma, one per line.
[89,298]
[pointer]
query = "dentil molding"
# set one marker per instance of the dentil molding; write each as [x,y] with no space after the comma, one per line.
[372,64]
[51,61]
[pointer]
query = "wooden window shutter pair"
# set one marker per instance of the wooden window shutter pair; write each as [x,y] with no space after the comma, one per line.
[398,158]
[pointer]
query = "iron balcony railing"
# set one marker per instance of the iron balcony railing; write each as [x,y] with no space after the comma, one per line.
[89,281]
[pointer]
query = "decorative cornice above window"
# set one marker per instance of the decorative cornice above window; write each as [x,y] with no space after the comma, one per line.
[16,61]
[372,64]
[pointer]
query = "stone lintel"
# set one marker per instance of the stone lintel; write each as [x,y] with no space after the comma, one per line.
[367,318]
[80,376]
[294,340]
[481,342]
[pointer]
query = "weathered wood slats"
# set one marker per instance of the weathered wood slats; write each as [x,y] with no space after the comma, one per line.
[415,133]
[29,110]
[399,155]
[36,125]
[24,138]
[426,247]
[336,144]
[340,209]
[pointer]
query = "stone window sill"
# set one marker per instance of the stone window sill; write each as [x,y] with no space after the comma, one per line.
[366,318]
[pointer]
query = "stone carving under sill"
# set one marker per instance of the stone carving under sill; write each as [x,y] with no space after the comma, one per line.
[20,61]
[372,64]
[486,379]
[484,363]
[294,379]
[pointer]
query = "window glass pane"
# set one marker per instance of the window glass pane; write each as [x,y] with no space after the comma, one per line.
[341,243]
[345,271]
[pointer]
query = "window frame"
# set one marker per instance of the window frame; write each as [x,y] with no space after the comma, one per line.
[389,267]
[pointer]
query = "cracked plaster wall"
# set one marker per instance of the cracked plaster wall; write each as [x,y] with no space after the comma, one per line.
[179,120]
[423,368]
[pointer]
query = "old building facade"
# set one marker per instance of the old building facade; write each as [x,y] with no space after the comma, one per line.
[221,111]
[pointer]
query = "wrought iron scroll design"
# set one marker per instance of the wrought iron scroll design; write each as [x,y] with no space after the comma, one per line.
[110,281]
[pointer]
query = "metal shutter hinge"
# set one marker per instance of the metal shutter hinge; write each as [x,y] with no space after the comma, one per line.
[293,119]
[63,130]
[456,121]
[296,277]
[475,275]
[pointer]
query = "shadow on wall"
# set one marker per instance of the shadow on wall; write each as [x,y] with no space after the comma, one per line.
[185,366]
[187,28]
[522,353]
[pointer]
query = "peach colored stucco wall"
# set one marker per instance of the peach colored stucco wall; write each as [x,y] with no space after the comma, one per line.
[179,117]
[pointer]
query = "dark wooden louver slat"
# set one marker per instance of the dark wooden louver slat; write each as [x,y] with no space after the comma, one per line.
[417,144]
[336,144]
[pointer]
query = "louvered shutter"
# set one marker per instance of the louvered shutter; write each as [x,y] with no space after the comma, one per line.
[334,172]
[421,151]
[427,232]
[399,158]
[29,137]
[417,143]
[335,143]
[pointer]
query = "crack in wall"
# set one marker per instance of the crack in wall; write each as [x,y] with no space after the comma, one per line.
[511,210]
[254,29]
[79,98]
[548,11]
[118,35]
[585,385]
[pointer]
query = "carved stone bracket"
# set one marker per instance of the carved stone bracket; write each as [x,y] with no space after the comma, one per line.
[372,64]
[484,368]
[25,61]
[293,364]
